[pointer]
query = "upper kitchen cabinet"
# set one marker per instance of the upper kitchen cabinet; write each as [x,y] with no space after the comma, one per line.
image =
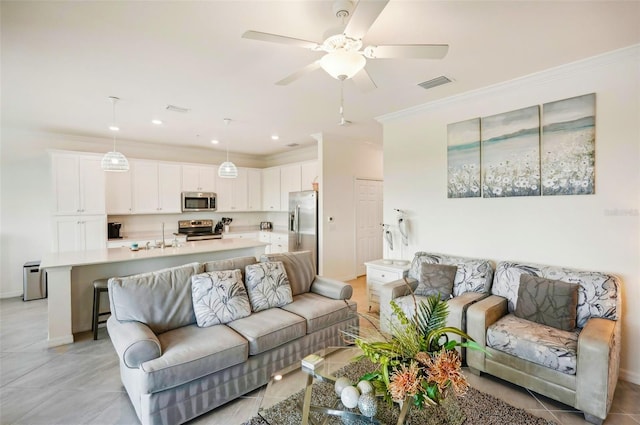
[289,182]
[199,178]
[308,174]
[254,189]
[119,194]
[271,189]
[79,184]
[156,187]
[232,193]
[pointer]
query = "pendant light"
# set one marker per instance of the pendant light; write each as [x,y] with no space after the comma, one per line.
[114,160]
[227,169]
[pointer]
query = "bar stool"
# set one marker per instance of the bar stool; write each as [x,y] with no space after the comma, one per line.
[99,286]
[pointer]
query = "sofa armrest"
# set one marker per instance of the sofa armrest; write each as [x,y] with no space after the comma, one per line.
[331,288]
[389,292]
[134,342]
[598,365]
[480,316]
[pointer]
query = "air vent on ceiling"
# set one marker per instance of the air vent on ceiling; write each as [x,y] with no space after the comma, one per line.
[438,81]
[175,108]
[292,145]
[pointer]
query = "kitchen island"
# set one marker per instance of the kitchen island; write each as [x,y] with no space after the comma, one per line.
[70,275]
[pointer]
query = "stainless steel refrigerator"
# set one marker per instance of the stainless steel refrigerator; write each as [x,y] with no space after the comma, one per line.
[303,223]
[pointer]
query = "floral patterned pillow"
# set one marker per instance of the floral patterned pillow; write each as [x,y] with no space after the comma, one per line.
[219,297]
[268,285]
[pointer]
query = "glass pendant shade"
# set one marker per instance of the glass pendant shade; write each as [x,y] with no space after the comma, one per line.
[342,65]
[228,170]
[114,161]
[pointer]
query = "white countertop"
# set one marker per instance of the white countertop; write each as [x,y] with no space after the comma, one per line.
[113,255]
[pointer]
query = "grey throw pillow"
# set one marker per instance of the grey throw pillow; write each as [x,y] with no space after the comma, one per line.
[436,279]
[548,302]
[299,267]
[219,297]
[268,285]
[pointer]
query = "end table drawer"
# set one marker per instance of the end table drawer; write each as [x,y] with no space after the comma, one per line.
[383,276]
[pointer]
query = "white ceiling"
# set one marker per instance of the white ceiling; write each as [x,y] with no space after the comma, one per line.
[61,60]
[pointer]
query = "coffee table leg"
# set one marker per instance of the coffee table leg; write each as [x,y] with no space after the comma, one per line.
[307,400]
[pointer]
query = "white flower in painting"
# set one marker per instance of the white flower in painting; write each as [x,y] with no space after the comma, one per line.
[534,187]
[475,189]
[506,180]
[585,184]
[485,187]
[497,191]
[490,179]
[548,183]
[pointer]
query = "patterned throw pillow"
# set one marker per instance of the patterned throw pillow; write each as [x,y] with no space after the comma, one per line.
[548,302]
[219,297]
[268,285]
[436,279]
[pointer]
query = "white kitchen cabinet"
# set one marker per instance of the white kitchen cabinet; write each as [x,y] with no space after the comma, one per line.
[156,187]
[278,242]
[199,178]
[79,233]
[232,193]
[254,189]
[119,196]
[308,174]
[289,182]
[379,273]
[271,189]
[247,235]
[79,184]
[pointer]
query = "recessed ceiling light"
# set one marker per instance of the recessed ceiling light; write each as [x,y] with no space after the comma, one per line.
[156,122]
[114,128]
[275,137]
[215,141]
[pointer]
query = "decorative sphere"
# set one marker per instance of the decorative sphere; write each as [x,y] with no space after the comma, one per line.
[365,387]
[340,385]
[368,405]
[350,396]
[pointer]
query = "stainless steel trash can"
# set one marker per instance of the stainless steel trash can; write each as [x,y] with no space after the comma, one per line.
[34,282]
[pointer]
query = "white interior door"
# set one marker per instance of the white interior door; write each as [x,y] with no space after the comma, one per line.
[368,220]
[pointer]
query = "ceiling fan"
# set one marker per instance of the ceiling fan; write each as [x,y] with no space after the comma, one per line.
[344,56]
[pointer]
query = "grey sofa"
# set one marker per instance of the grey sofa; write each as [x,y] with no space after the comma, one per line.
[472,283]
[578,367]
[173,370]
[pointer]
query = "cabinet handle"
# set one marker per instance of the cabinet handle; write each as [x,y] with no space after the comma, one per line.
[382,275]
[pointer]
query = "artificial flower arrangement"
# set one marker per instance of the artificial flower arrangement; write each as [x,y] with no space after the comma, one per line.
[419,365]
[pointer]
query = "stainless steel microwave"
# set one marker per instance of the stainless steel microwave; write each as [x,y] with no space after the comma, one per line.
[198,201]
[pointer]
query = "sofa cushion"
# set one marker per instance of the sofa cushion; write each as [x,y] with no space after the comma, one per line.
[191,352]
[597,295]
[548,302]
[540,344]
[269,329]
[473,274]
[229,264]
[436,279]
[268,285]
[160,299]
[320,312]
[299,267]
[219,297]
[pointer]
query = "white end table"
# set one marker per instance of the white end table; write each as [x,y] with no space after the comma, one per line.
[381,272]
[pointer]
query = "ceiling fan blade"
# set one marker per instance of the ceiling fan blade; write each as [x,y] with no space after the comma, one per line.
[280,39]
[364,15]
[299,73]
[363,81]
[407,51]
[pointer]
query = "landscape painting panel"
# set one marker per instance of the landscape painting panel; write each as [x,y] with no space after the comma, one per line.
[568,146]
[463,159]
[511,154]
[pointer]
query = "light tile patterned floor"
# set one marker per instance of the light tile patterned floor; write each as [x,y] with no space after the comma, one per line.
[80,383]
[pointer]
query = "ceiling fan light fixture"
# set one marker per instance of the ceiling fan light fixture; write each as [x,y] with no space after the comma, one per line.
[342,65]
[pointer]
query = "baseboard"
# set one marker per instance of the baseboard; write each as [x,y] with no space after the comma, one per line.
[11,294]
[63,340]
[629,376]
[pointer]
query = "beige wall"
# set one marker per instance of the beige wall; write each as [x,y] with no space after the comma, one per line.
[342,162]
[595,232]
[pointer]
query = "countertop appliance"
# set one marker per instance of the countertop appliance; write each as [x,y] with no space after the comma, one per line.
[266,225]
[199,201]
[34,281]
[303,223]
[114,230]
[198,230]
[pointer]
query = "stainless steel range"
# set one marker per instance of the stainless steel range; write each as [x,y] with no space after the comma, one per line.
[198,230]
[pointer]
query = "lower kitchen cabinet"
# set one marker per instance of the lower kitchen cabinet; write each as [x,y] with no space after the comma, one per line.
[379,273]
[279,242]
[247,235]
[79,233]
